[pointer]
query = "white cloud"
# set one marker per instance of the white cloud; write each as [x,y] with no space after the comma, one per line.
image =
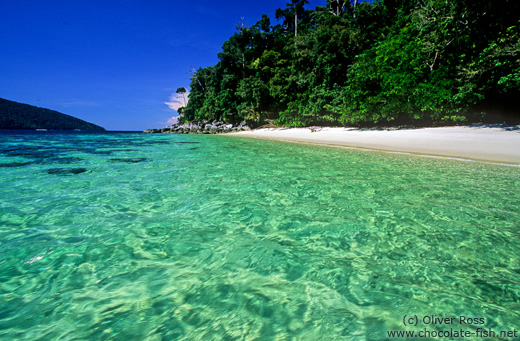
[177,100]
[172,120]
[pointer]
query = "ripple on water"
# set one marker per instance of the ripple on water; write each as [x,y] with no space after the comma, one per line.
[141,236]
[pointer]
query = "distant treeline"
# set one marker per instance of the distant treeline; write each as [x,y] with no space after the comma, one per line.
[356,63]
[15,115]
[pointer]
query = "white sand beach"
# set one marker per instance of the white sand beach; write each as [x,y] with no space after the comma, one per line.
[495,143]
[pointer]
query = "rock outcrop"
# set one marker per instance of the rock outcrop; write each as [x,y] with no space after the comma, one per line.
[214,127]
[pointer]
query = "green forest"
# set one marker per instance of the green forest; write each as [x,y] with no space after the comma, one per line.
[366,63]
[14,115]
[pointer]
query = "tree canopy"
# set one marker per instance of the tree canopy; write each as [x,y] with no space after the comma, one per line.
[357,63]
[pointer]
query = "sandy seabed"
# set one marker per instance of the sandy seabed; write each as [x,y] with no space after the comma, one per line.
[497,143]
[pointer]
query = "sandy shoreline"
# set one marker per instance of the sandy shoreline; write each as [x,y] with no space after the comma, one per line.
[482,143]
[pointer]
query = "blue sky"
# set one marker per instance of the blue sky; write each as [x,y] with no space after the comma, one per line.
[114,63]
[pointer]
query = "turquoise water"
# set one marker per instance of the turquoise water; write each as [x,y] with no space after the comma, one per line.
[161,237]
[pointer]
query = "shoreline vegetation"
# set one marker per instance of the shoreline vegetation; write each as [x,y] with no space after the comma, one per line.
[360,63]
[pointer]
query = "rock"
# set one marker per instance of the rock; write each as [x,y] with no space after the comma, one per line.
[196,127]
[66,171]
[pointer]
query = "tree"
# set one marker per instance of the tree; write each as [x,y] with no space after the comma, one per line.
[294,9]
[337,7]
[182,93]
[360,62]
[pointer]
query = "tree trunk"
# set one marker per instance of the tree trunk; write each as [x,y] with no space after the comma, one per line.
[296,23]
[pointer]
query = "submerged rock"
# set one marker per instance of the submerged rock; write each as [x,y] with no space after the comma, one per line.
[66,171]
[15,164]
[129,160]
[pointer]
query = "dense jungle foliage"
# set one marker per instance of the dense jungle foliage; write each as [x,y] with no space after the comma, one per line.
[358,63]
[14,115]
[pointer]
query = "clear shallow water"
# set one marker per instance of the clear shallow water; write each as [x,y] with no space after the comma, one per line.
[140,236]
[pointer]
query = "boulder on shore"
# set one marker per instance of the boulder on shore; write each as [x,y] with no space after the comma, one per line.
[195,127]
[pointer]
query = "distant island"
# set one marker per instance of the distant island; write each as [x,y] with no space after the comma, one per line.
[14,115]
